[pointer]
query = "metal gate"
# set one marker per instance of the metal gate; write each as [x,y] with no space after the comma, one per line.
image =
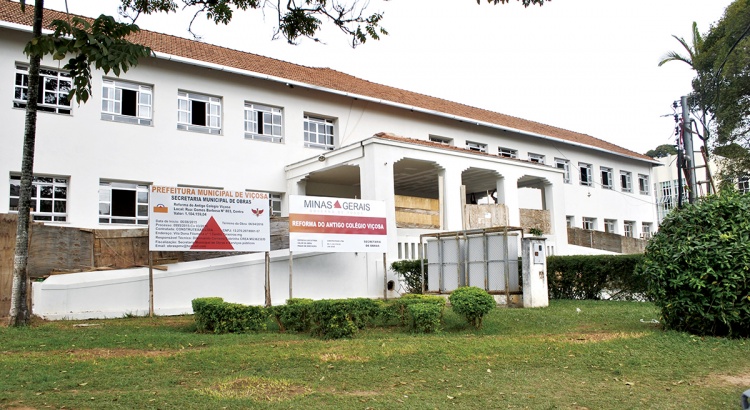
[485,258]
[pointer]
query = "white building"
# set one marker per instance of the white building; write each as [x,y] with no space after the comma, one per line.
[201,115]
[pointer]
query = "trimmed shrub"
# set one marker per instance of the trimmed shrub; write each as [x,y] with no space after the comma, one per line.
[205,312]
[400,305]
[294,315]
[411,272]
[215,315]
[585,277]
[698,266]
[332,319]
[472,303]
[425,317]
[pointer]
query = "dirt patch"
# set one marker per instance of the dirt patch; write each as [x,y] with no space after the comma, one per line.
[596,337]
[98,353]
[258,389]
[335,357]
[741,380]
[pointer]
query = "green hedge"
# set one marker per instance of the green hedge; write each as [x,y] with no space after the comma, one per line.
[340,318]
[585,277]
[294,315]
[400,306]
[215,315]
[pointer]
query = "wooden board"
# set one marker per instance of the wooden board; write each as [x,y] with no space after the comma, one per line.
[7,249]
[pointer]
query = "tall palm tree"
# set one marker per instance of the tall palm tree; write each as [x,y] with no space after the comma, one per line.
[689,59]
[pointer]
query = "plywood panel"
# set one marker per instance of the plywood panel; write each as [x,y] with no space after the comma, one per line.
[7,249]
[416,212]
[485,216]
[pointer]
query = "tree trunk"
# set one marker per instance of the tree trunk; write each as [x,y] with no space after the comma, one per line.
[20,313]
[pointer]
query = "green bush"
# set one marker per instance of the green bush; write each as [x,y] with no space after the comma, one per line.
[698,266]
[425,317]
[294,315]
[339,318]
[215,315]
[205,312]
[411,272]
[400,305]
[472,303]
[585,277]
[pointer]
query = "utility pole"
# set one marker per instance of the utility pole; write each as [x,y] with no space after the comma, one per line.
[687,139]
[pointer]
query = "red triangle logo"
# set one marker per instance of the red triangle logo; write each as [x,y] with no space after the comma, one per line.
[337,205]
[212,238]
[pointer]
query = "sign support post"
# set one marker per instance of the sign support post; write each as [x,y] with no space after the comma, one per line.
[150,284]
[385,278]
[268,279]
[291,270]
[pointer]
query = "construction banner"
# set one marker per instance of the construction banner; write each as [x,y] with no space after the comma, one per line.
[199,219]
[323,224]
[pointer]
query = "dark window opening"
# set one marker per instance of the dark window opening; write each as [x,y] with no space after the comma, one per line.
[129,103]
[123,203]
[198,110]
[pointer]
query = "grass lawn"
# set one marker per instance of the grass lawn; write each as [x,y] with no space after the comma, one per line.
[604,357]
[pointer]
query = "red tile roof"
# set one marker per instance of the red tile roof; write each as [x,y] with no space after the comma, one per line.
[327,78]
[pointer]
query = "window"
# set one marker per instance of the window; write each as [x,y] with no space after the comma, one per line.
[318,133]
[126,102]
[606,177]
[536,158]
[53,90]
[586,173]
[123,203]
[441,140]
[626,181]
[743,185]
[198,113]
[610,225]
[475,146]
[507,152]
[564,165]
[628,228]
[646,230]
[589,223]
[666,198]
[275,204]
[49,197]
[570,220]
[643,184]
[262,122]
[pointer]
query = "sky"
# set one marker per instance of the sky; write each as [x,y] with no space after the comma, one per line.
[590,66]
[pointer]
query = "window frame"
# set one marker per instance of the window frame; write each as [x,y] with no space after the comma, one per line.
[57,198]
[626,181]
[328,124]
[537,158]
[589,173]
[646,230]
[46,77]
[255,116]
[440,140]
[110,102]
[606,171]
[476,146]
[588,223]
[186,100]
[610,226]
[628,229]
[643,184]
[507,152]
[141,211]
[743,185]
[275,199]
[564,165]
[570,221]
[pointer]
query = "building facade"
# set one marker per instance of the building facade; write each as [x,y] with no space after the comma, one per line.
[200,115]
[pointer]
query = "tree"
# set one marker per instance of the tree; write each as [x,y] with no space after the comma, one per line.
[723,60]
[700,94]
[104,43]
[662,151]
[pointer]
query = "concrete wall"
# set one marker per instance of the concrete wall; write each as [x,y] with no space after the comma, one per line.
[605,241]
[238,279]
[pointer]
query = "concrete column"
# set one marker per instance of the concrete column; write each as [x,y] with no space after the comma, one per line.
[450,201]
[535,291]
[376,184]
[293,187]
[507,193]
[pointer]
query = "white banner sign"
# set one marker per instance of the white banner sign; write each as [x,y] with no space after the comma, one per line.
[336,225]
[198,219]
